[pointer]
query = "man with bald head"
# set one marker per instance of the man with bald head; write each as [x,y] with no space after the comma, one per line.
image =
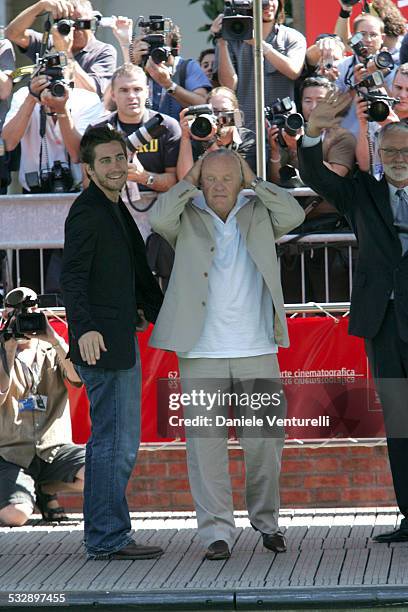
[223,314]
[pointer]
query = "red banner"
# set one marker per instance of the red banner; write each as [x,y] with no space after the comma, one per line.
[324,371]
[320,21]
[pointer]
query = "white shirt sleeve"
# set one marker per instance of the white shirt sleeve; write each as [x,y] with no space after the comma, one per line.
[16,103]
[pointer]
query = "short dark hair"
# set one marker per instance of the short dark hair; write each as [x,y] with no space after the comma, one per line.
[205,52]
[316,81]
[95,136]
[280,13]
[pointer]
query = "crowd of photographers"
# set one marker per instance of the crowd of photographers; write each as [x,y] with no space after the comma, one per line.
[174,109]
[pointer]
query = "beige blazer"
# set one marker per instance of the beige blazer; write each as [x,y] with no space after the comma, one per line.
[269,214]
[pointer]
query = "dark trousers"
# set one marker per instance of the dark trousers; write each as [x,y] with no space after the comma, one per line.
[388,358]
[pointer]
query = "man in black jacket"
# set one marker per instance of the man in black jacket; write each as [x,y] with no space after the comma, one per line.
[378,213]
[109,292]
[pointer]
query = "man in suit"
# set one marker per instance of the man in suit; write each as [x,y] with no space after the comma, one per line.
[223,314]
[109,292]
[378,213]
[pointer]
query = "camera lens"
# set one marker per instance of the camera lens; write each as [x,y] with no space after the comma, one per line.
[57,89]
[378,111]
[64,27]
[159,55]
[294,123]
[201,127]
[383,59]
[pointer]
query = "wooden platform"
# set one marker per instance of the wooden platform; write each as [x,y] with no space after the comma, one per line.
[330,560]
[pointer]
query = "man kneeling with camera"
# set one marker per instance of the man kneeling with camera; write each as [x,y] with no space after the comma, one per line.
[37,456]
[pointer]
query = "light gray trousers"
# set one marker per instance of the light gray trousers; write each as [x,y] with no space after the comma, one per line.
[207,456]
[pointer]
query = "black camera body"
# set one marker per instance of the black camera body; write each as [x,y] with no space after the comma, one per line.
[281,114]
[20,321]
[157,30]
[379,104]
[52,65]
[383,60]
[204,124]
[237,22]
[64,25]
[350,2]
[58,179]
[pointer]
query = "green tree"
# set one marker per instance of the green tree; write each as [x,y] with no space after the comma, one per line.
[212,8]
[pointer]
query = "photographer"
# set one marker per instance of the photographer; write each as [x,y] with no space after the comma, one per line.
[37,456]
[49,129]
[367,142]
[338,144]
[152,166]
[92,60]
[7,65]
[225,133]
[388,12]
[175,82]
[283,48]
[354,69]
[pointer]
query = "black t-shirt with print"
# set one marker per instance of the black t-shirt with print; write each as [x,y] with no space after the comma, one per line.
[160,153]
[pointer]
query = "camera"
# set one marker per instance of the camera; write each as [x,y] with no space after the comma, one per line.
[228,118]
[203,124]
[350,2]
[53,65]
[58,179]
[383,60]
[24,322]
[281,114]
[156,33]
[64,25]
[238,23]
[379,106]
[146,132]
[379,103]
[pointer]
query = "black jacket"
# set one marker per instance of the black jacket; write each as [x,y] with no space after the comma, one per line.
[105,278]
[381,268]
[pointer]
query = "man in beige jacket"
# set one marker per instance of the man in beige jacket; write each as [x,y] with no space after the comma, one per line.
[223,314]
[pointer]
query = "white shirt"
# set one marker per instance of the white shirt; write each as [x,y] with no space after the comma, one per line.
[85,108]
[239,310]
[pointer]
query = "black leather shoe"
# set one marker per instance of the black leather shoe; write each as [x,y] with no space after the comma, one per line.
[273,541]
[398,535]
[218,550]
[137,551]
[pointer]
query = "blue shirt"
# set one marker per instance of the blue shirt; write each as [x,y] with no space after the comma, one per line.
[166,103]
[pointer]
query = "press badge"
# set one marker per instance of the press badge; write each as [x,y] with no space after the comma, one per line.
[33,402]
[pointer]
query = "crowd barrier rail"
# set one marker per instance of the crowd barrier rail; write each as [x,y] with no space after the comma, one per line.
[37,222]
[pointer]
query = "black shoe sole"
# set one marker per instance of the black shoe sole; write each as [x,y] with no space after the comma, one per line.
[134,557]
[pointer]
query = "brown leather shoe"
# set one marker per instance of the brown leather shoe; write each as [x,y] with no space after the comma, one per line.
[137,551]
[218,550]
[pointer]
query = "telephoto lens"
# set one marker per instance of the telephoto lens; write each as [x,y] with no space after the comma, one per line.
[294,123]
[383,60]
[378,111]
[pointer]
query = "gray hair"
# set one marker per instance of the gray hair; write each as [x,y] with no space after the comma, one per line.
[222,151]
[390,128]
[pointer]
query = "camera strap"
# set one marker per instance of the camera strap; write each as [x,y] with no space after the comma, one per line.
[46,36]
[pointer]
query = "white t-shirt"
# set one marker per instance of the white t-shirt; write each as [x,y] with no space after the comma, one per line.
[85,107]
[239,312]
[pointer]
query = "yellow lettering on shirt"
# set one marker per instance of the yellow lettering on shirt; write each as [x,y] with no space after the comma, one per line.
[150,147]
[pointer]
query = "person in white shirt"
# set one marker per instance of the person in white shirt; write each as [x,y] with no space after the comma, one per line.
[223,314]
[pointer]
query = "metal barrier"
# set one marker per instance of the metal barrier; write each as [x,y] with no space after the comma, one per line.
[37,222]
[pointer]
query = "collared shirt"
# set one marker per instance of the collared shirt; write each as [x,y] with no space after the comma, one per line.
[239,309]
[25,434]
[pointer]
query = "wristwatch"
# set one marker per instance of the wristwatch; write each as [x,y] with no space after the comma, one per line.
[150,180]
[171,89]
[255,182]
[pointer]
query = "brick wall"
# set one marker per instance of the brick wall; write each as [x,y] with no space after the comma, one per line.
[311,478]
